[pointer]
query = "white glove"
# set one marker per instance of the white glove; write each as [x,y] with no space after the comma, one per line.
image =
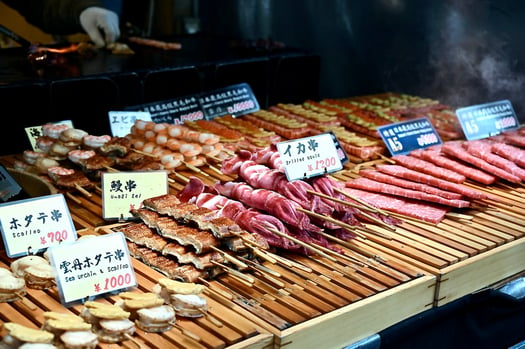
[101,25]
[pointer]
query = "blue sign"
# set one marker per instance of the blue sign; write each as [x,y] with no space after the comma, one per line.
[403,137]
[485,120]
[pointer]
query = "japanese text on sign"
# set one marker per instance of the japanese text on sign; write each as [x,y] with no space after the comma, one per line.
[485,120]
[310,156]
[35,224]
[122,191]
[403,137]
[92,266]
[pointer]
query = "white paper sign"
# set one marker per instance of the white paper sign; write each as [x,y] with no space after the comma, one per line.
[32,225]
[33,132]
[122,191]
[310,156]
[92,266]
[121,121]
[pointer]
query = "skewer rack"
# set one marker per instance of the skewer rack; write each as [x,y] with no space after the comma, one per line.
[317,302]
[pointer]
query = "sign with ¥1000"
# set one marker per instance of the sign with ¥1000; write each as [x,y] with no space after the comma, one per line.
[235,100]
[403,137]
[91,267]
[121,121]
[485,120]
[123,191]
[31,225]
[311,156]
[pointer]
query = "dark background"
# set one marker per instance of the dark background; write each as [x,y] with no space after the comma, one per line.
[461,52]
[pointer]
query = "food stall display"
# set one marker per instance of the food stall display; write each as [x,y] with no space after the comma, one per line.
[247,258]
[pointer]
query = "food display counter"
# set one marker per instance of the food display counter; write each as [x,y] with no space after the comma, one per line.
[331,297]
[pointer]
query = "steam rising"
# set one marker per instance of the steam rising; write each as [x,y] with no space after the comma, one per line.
[471,66]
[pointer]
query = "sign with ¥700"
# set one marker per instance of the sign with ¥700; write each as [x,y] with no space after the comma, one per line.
[92,266]
[403,137]
[311,156]
[122,191]
[485,120]
[32,225]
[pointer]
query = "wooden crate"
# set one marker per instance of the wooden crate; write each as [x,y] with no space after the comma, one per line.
[470,249]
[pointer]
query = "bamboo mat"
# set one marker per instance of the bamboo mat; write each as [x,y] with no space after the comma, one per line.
[291,289]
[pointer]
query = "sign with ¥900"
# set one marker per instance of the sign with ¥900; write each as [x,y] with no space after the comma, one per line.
[92,266]
[403,137]
[311,156]
[122,191]
[31,225]
[485,120]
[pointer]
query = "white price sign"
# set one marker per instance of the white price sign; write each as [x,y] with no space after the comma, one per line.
[91,267]
[31,225]
[310,156]
[122,191]
[121,121]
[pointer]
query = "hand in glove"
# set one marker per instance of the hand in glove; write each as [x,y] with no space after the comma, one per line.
[101,25]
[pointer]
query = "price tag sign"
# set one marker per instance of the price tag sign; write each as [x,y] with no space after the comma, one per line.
[235,100]
[403,137]
[485,120]
[123,191]
[121,121]
[8,186]
[34,132]
[31,225]
[91,267]
[173,111]
[311,156]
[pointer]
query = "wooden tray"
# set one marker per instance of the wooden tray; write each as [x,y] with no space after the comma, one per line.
[469,249]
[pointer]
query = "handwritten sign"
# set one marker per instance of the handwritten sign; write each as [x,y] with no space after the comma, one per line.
[33,132]
[121,121]
[92,266]
[311,156]
[403,137]
[32,225]
[122,191]
[485,120]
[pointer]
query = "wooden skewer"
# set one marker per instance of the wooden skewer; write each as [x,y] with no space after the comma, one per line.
[387,159]
[186,332]
[366,204]
[111,169]
[261,267]
[215,169]
[212,318]
[83,191]
[459,216]
[330,219]
[184,178]
[214,289]
[137,343]
[264,255]
[301,243]
[231,258]
[144,153]
[352,247]
[289,263]
[26,302]
[234,272]
[343,202]
[73,198]
[195,169]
